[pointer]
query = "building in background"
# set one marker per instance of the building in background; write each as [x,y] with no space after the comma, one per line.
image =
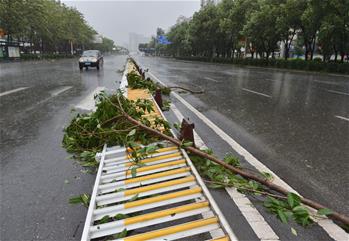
[135,39]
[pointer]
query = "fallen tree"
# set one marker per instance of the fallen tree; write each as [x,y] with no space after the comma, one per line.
[116,117]
[264,181]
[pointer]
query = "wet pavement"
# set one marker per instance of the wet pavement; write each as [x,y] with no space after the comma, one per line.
[296,123]
[37,176]
[293,122]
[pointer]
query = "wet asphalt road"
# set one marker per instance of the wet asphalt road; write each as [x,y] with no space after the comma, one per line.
[296,123]
[37,178]
[290,126]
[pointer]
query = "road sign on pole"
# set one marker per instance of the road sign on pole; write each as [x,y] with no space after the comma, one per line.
[162,39]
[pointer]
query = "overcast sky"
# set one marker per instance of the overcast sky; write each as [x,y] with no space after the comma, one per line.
[116,19]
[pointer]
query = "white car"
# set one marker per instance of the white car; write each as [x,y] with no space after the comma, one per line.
[91,58]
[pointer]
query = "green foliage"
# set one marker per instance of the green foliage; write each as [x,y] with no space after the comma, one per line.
[289,209]
[220,174]
[166,105]
[120,216]
[87,133]
[223,30]
[83,199]
[49,25]
[185,144]
[105,219]
[134,198]
[177,126]
[324,211]
[284,209]
[135,81]
[121,234]
[297,64]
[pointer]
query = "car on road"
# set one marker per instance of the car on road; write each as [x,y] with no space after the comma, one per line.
[91,58]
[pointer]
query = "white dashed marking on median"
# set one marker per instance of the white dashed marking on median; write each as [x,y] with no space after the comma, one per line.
[341,117]
[328,225]
[251,214]
[12,91]
[257,93]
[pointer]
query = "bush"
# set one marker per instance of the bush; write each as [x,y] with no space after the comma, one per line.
[298,64]
[31,56]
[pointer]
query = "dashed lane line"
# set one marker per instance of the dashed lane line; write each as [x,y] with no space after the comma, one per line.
[13,91]
[260,227]
[328,225]
[214,80]
[60,90]
[338,92]
[257,93]
[341,117]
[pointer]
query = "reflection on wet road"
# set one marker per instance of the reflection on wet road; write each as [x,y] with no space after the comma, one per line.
[37,178]
[294,122]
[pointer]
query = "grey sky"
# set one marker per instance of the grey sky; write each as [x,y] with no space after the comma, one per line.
[116,19]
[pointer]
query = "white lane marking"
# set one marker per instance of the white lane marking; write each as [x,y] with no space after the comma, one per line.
[341,117]
[88,104]
[13,91]
[261,228]
[257,93]
[328,225]
[60,90]
[208,78]
[338,92]
[53,94]
[251,214]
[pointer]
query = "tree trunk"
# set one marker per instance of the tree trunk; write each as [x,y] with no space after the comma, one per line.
[312,48]
[335,215]
[286,52]
[306,52]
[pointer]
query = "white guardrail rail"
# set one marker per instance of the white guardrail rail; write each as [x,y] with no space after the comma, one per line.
[172,201]
[165,199]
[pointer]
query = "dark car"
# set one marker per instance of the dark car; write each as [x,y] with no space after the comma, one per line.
[91,58]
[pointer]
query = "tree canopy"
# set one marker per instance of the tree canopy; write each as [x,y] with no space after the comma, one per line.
[262,26]
[48,25]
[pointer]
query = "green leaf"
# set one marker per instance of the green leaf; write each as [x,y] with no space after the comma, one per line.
[134,171]
[282,216]
[132,133]
[75,200]
[121,235]
[177,126]
[83,199]
[267,176]
[151,149]
[294,232]
[324,211]
[216,186]
[300,211]
[105,219]
[134,198]
[120,216]
[293,199]
[186,144]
